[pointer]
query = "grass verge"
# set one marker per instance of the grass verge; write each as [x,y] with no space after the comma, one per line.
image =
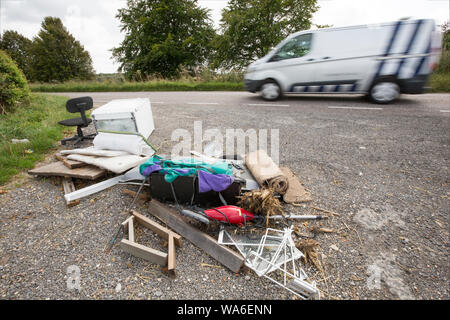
[439,82]
[154,85]
[37,123]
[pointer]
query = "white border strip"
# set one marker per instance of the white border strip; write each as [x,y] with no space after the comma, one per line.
[202,103]
[354,108]
[266,104]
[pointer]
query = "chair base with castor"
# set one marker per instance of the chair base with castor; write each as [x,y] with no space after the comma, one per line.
[78,105]
[78,137]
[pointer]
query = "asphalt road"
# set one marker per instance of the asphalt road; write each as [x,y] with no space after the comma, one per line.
[383,168]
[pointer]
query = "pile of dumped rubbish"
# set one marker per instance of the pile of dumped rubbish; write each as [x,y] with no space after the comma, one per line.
[238,198]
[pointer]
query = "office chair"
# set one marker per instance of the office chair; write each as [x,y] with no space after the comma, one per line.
[73,106]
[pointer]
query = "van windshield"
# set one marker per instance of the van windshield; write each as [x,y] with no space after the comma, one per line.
[295,48]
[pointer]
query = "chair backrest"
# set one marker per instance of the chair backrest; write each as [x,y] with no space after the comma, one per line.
[80,104]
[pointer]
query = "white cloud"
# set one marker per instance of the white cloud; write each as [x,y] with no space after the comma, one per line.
[94,24]
[350,12]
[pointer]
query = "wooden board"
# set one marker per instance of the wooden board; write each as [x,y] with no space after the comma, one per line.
[131,229]
[229,258]
[125,225]
[132,193]
[71,164]
[144,252]
[59,169]
[69,187]
[157,228]
[171,257]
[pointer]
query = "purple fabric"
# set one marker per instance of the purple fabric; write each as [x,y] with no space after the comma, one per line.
[217,182]
[148,171]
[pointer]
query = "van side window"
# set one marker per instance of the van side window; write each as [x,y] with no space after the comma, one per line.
[295,48]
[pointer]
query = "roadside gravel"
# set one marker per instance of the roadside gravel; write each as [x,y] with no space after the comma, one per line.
[386,173]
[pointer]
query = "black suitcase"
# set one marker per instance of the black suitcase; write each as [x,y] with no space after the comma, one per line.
[187,191]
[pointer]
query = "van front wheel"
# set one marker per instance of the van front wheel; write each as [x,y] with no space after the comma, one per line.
[270,90]
[384,92]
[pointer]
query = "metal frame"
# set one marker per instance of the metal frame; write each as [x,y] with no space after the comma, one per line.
[270,265]
[130,115]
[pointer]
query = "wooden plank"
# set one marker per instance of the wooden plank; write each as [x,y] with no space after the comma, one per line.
[171,256]
[144,252]
[131,229]
[69,187]
[229,258]
[59,169]
[71,164]
[132,193]
[157,228]
[125,225]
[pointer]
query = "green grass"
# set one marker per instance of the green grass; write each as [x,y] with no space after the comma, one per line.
[153,85]
[439,82]
[37,123]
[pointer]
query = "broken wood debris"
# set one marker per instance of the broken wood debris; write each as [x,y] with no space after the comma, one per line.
[326,211]
[156,228]
[167,260]
[146,253]
[262,202]
[229,258]
[71,164]
[69,187]
[59,169]
[172,254]
[308,248]
[143,197]
[321,230]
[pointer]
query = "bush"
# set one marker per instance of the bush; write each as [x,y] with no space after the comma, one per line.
[13,85]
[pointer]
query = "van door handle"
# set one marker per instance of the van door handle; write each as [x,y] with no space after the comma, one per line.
[326,58]
[310,59]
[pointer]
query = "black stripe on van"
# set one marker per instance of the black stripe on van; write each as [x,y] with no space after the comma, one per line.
[410,44]
[389,47]
[322,84]
[421,62]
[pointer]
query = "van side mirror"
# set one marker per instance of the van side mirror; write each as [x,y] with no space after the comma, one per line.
[274,58]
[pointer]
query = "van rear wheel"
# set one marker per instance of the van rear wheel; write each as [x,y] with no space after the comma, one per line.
[384,91]
[270,90]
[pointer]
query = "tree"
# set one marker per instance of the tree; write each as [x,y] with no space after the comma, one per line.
[58,56]
[444,63]
[163,36]
[250,28]
[18,48]
[13,85]
[446,35]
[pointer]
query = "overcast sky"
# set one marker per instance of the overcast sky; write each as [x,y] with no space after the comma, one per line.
[94,24]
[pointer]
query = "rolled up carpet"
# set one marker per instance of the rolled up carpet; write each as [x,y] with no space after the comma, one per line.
[266,172]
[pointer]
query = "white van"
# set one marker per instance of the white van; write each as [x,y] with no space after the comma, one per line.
[379,60]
